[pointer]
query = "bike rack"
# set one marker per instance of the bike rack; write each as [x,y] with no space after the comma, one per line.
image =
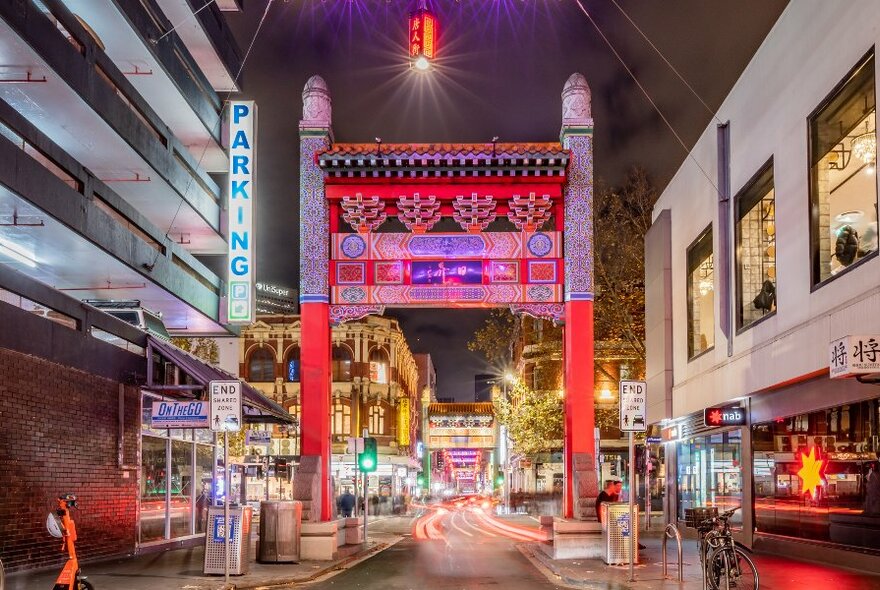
[671,532]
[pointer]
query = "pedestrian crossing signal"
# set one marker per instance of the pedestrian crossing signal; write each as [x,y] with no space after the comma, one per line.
[368,461]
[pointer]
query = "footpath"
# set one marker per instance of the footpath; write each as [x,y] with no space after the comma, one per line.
[775,573]
[181,569]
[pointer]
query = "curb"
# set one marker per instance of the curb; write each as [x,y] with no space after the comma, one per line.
[343,564]
[547,568]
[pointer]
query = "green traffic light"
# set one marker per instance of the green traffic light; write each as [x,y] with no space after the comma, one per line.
[368,460]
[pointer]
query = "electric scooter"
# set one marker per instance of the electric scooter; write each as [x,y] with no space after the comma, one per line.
[61,525]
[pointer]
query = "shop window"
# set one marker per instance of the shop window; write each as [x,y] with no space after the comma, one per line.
[181,481]
[341,364]
[756,248]
[341,419]
[376,419]
[261,366]
[710,472]
[700,295]
[817,475]
[379,366]
[153,482]
[843,183]
[292,366]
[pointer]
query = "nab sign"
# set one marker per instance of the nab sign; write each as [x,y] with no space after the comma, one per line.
[724,416]
[241,303]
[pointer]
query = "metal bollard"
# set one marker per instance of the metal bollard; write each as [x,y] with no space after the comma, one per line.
[670,533]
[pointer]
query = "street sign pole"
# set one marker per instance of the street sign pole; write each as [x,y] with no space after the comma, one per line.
[633,418]
[227,480]
[365,434]
[633,527]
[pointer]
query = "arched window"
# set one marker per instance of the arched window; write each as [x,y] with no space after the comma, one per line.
[341,423]
[376,419]
[261,366]
[341,363]
[291,366]
[379,366]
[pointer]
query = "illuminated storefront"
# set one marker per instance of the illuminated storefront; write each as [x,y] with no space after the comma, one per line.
[710,472]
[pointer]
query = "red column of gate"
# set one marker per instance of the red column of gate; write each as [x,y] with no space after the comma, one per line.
[579,377]
[315,392]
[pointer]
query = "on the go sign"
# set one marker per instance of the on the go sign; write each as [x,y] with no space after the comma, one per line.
[241,303]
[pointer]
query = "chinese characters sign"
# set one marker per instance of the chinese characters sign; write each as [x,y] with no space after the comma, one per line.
[422,36]
[241,303]
[854,355]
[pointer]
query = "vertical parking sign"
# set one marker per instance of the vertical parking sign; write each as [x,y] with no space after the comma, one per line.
[241,302]
[633,406]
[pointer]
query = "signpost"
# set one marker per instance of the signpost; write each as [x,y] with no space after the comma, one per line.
[633,410]
[225,417]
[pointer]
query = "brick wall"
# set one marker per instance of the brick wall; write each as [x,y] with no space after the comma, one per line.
[59,433]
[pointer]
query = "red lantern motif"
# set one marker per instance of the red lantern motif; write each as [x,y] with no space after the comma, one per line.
[423,30]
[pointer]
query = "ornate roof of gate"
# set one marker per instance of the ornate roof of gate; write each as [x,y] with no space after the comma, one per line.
[375,159]
[462,408]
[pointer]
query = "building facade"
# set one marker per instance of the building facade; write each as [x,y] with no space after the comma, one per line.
[110,188]
[752,270]
[375,387]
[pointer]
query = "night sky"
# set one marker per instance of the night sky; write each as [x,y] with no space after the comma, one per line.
[501,68]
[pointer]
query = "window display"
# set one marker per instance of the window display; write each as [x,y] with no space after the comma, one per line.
[816,475]
[756,249]
[710,473]
[701,295]
[843,182]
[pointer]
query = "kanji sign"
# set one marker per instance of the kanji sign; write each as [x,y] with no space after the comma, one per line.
[854,355]
[724,416]
[633,406]
[225,405]
[422,38]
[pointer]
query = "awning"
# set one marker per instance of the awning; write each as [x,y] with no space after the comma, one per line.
[257,408]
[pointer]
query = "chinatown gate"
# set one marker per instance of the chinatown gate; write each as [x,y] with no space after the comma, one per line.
[368,241]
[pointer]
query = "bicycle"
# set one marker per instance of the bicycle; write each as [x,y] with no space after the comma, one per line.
[726,566]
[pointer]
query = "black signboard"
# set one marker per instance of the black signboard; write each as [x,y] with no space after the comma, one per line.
[724,416]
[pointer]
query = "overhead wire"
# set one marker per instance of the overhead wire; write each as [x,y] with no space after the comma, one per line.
[174,28]
[644,91]
[225,103]
[666,61]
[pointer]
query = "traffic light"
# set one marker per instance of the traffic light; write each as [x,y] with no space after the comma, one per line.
[421,481]
[499,480]
[368,461]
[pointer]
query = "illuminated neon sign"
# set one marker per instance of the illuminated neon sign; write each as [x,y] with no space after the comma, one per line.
[812,472]
[241,302]
[724,416]
[423,29]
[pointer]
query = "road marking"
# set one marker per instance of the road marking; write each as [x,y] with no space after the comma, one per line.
[458,528]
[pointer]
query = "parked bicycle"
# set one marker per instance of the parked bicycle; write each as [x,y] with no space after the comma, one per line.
[726,566]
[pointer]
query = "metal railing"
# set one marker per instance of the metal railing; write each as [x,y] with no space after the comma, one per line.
[671,532]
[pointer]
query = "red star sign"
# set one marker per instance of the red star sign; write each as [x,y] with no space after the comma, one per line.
[715,417]
[811,472]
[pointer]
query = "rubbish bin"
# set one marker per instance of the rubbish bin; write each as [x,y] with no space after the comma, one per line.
[280,526]
[618,532]
[239,540]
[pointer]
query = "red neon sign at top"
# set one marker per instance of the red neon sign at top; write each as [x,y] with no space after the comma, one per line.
[423,31]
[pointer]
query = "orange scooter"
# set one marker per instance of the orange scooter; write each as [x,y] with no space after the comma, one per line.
[61,525]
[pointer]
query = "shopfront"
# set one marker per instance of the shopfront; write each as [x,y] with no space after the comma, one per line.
[710,472]
[181,469]
[178,468]
[816,475]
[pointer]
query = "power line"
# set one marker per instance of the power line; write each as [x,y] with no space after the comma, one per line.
[173,28]
[666,61]
[647,96]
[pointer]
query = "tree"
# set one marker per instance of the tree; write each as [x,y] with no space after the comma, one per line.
[623,217]
[534,419]
[495,338]
[203,348]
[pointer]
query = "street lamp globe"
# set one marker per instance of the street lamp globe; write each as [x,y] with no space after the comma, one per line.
[422,64]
